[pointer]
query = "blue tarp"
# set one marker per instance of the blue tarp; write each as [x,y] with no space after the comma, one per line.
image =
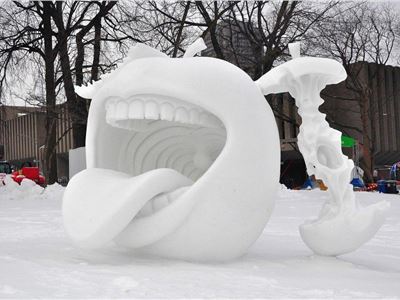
[357,182]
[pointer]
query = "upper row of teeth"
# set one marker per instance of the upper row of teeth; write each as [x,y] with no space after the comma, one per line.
[168,111]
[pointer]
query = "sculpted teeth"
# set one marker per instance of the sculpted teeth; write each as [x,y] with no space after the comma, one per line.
[177,193]
[181,115]
[167,112]
[160,201]
[152,111]
[194,116]
[122,110]
[136,110]
[146,210]
[124,113]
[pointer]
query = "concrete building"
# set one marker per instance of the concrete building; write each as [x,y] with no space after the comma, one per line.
[383,118]
[22,136]
[20,132]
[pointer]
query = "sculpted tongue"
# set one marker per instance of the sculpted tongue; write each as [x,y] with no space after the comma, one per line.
[101,202]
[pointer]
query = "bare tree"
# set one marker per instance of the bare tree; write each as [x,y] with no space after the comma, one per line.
[67,37]
[27,30]
[167,26]
[76,105]
[268,27]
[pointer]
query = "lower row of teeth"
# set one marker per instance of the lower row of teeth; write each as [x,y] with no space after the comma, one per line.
[160,201]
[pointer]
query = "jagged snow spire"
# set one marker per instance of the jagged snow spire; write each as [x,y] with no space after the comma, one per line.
[195,48]
[294,50]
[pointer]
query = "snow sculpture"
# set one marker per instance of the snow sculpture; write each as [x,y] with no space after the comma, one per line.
[183,159]
[341,226]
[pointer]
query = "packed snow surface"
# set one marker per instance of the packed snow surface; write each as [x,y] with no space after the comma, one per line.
[37,259]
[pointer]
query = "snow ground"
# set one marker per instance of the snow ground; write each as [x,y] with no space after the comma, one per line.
[38,260]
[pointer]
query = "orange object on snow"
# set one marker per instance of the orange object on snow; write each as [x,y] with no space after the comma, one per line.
[31,173]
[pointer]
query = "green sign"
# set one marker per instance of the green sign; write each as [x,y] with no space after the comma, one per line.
[348,142]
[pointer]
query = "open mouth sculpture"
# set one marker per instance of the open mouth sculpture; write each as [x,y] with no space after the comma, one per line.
[183,158]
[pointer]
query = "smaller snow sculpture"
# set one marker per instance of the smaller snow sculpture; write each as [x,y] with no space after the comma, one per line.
[342,226]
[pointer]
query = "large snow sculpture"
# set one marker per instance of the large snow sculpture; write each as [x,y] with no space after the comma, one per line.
[341,226]
[183,159]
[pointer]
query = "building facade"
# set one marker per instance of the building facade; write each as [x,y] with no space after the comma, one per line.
[382,114]
[22,136]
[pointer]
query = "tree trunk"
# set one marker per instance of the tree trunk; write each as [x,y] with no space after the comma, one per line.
[211,30]
[80,110]
[96,51]
[367,161]
[180,30]
[215,42]
[76,108]
[76,105]
[51,115]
